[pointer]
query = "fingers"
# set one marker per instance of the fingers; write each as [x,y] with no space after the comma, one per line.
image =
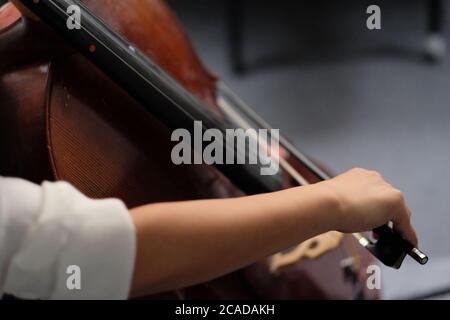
[369,201]
[402,218]
[402,224]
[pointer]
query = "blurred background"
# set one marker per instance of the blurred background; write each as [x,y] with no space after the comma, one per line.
[349,96]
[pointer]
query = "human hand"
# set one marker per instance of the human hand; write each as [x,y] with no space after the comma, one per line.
[366,201]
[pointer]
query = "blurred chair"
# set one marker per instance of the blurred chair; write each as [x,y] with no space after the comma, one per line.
[434,47]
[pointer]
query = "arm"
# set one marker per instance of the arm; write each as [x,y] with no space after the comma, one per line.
[47,229]
[182,244]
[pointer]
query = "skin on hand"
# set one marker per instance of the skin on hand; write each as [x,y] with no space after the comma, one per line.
[366,201]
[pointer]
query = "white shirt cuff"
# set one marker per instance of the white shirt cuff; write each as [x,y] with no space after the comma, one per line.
[77,248]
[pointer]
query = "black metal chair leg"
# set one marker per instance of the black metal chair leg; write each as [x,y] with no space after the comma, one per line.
[235,34]
[435,44]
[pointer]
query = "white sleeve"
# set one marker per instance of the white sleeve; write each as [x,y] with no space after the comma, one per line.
[55,243]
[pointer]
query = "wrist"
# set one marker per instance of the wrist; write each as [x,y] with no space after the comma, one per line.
[331,207]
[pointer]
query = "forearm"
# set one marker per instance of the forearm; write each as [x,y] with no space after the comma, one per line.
[181,244]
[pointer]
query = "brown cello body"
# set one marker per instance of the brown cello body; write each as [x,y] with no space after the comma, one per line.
[63,119]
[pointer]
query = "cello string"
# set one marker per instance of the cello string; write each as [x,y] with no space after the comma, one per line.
[235,117]
[255,117]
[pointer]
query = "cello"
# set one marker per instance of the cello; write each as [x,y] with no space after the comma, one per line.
[73,111]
